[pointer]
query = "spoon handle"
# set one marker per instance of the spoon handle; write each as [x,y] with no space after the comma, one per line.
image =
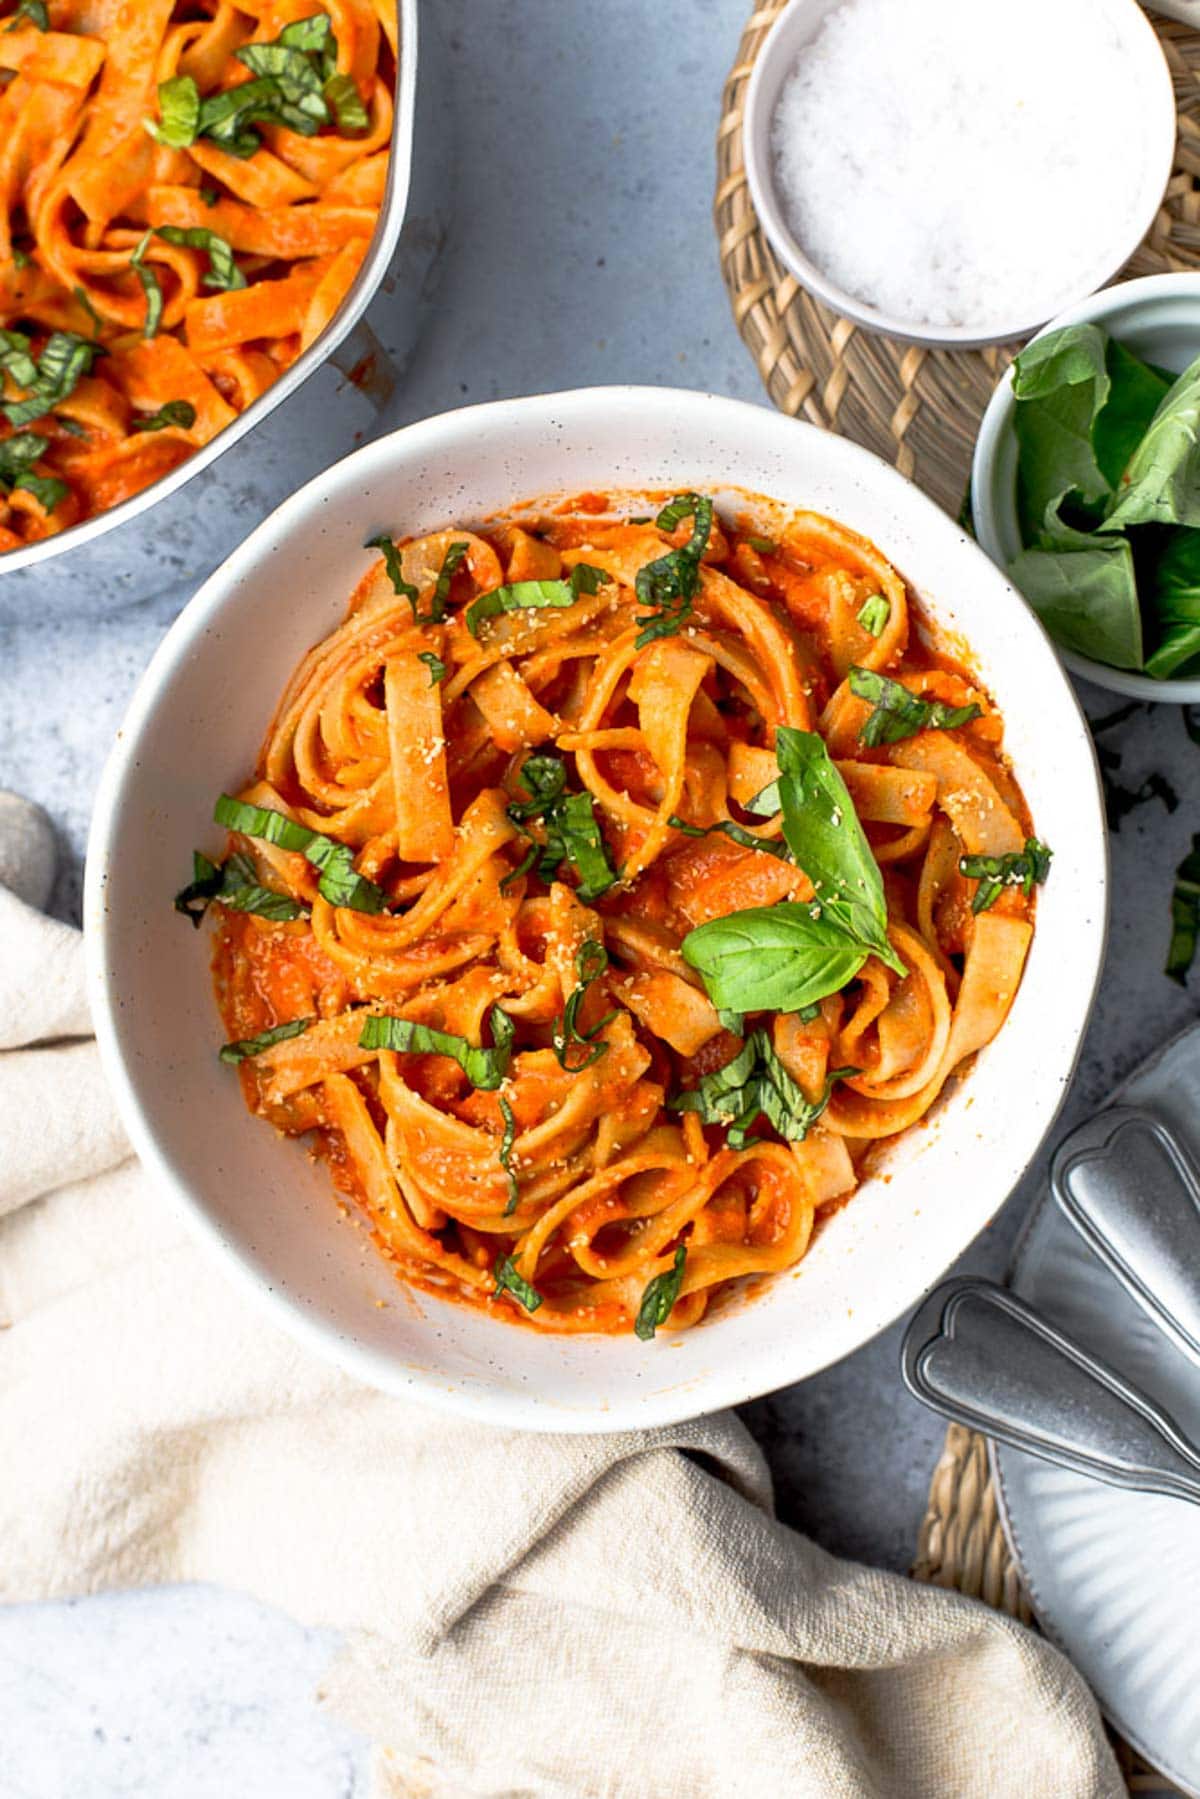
[979,1355]
[1132,1191]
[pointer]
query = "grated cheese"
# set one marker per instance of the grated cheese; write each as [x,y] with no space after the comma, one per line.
[952,171]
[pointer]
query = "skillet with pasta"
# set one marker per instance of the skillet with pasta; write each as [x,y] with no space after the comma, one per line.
[609,888]
[188,191]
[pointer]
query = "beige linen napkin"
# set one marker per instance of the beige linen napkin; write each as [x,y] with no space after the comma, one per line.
[523,1615]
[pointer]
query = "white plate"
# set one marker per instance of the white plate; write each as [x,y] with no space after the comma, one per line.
[1115,1576]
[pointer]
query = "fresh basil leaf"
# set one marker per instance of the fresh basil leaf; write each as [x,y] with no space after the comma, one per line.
[47,490]
[828,842]
[392,564]
[756,1084]
[178,121]
[441,587]
[544,779]
[18,454]
[772,958]
[84,299]
[590,964]
[572,831]
[34,11]
[658,1301]
[254,1046]
[435,665]
[509,1281]
[485,1069]
[1135,392]
[346,104]
[734,1022]
[670,582]
[312,34]
[766,546]
[518,596]
[1185,915]
[506,1149]
[236,885]
[64,358]
[16,358]
[340,884]
[736,833]
[223,272]
[875,614]
[180,414]
[899,713]
[297,79]
[150,287]
[1161,484]
[1060,383]
[1020,868]
[228,117]
[1086,597]
[1171,594]
[586,578]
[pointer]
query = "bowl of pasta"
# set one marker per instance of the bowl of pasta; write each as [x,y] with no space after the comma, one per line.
[204,204]
[648,873]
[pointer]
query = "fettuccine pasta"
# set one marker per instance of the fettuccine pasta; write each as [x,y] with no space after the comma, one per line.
[607,889]
[186,194]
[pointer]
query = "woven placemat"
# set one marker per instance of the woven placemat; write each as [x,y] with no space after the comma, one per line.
[921,409]
[917,408]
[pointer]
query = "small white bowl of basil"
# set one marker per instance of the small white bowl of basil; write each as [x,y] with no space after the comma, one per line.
[1085,486]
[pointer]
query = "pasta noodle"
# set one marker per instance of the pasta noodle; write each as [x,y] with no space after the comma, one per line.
[607,890]
[186,195]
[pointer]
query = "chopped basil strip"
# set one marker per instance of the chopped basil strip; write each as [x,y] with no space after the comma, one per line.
[518,596]
[506,1149]
[346,104]
[236,885]
[441,587]
[590,964]
[1185,915]
[51,378]
[875,614]
[47,490]
[658,1301]
[150,287]
[223,272]
[81,294]
[1021,869]
[765,546]
[572,833]
[728,827]
[509,1281]
[178,122]
[899,713]
[435,665]
[179,413]
[734,1021]
[33,10]
[669,583]
[756,1084]
[392,564]
[254,1046]
[484,1068]
[340,883]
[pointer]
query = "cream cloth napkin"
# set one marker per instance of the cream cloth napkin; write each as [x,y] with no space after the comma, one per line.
[608,1615]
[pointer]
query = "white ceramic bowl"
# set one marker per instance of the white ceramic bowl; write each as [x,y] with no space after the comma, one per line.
[1148,78]
[1158,318]
[194,728]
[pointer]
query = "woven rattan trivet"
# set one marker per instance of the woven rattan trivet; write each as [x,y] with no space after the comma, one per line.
[921,410]
[918,408]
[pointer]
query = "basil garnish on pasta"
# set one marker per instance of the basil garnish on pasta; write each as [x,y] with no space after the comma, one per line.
[508,1280]
[669,583]
[178,122]
[1022,868]
[484,1068]
[180,414]
[222,272]
[900,713]
[736,833]
[49,378]
[150,287]
[17,456]
[235,884]
[35,11]
[394,568]
[590,963]
[658,1301]
[435,665]
[874,615]
[571,831]
[772,958]
[756,1084]
[519,596]
[340,883]
[246,1047]
[506,1148]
